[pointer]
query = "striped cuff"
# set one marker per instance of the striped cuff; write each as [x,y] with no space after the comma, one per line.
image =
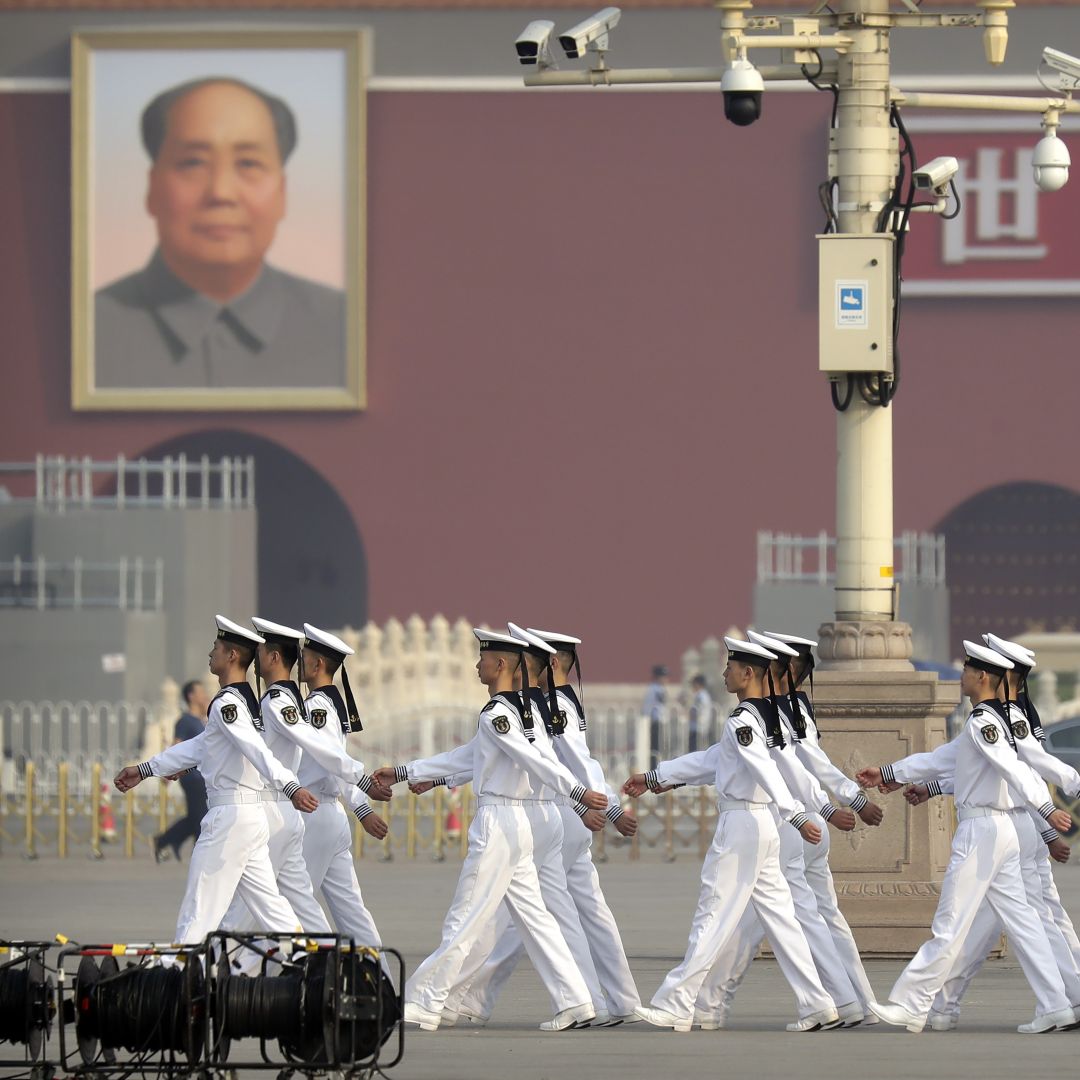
[580,809]
[858,802]
[290,789]
[828,810]
[887,775]
[146,770]
[934,788]
[441,782]
[578,793]
[401,774]
[652,781]
[362,811]
[798,820]
[614,812]
[1046,810]
[365,783]
[1050,835]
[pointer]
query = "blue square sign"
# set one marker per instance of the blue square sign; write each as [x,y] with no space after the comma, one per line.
[851,304]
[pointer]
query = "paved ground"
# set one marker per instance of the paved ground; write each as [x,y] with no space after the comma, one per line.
[116,900]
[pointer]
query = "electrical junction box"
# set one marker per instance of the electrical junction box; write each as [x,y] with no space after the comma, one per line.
[855,302]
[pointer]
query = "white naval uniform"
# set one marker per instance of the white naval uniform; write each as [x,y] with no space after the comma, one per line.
[570,887]
[327,835]
[287,734]
[818,875]
[508,775]
[985,861]
[742,868]
[601,931]
[1034,834]
[718,991]
[231,855]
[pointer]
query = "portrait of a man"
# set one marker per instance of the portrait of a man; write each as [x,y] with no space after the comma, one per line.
[210,310]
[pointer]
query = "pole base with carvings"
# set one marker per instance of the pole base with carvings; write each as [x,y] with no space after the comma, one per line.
[873,708]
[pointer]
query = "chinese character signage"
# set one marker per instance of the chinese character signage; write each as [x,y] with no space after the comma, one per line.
[1009,239]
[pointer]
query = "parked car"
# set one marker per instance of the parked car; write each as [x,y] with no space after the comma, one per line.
[1063,741]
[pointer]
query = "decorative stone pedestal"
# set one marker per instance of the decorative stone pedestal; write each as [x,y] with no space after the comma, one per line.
[873,709]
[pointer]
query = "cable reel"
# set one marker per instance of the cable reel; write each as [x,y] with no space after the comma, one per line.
[27,997]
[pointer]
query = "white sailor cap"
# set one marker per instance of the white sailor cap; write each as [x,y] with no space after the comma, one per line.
[749,652]
[985,659]
[529,641]
[773,644]
[791,639]
[561,641]
[273,632]
[227,630]
[496,642]
[322,641]
[1020,655]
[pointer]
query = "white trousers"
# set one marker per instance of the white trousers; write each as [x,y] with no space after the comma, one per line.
[328,854]
[286,828]
[985,864]
[742,871]
[719,987]
[1053,902]
[619,993]
[231,858]
[986,928]
[499,865]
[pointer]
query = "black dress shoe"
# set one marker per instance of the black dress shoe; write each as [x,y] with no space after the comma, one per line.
[160,854]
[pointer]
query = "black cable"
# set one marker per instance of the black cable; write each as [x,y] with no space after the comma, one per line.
[266,1006]
[838,404]
[956,198]
[14,988]
[142,1009]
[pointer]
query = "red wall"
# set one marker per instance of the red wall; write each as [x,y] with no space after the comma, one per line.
[601,305]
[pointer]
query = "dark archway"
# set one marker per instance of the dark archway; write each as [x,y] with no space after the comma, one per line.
[1013,560]
[301,570]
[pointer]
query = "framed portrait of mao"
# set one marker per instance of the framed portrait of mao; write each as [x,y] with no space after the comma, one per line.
[218,219]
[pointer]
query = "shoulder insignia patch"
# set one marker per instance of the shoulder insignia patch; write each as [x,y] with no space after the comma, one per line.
[501,724]
[275,692]
[990,733]
[745,735]
[228,713]
[489,705]
[1020,729]
[318,718]
[289,714]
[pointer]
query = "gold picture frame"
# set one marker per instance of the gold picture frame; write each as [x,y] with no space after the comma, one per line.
[114,320]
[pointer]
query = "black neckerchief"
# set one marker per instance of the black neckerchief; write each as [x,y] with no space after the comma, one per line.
[568,690]
[513,698]
[252,702]
[998,708]
[797,724]
[805,699]
[540,702]
[293,689]
[334,694]
[769,717]
[1023,699]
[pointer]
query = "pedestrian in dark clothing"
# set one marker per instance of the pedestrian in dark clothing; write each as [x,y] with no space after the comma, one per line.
[190,724]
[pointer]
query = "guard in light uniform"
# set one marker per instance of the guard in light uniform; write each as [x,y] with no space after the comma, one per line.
[548,815]
[718,991]
[231,855]
[985,861]
[507,772]
[601,931]
[327,836]
[743,864]
[1034,834]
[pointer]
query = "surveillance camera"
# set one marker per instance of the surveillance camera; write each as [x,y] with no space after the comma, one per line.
[1051,162]
[533,44]
[1067,67]
[593,31]
[935,175]
[742,87]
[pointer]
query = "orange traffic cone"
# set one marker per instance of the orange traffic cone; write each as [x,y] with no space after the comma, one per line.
[106,818]
[453,820]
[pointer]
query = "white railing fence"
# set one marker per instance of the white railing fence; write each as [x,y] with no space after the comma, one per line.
[56,482]
[128,584]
